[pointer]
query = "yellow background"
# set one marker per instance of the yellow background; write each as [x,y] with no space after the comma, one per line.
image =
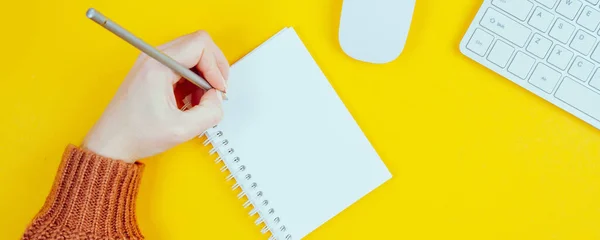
[473,155]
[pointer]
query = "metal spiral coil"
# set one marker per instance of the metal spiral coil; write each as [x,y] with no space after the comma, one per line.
[243,179]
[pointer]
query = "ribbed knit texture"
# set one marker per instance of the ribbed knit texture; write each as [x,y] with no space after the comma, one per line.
[93,197]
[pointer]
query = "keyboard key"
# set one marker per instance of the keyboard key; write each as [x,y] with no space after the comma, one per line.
[518,8]
[562,30]
[595,82]
[544,78]
[521,65]
[583,42]
[589,18]
[581,69]
[560,57]
[596,54]
[547,3]
[480,42]
[505,27]
[568,8]
[541,19]
[539,46]
[500,53]
[579,97]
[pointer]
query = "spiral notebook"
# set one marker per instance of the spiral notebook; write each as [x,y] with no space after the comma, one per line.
[289,142]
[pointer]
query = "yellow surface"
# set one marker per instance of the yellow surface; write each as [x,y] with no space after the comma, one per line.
[473,155]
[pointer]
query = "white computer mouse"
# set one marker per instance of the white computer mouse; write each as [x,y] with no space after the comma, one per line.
[375,31]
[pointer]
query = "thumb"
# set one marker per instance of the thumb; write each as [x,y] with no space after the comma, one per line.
[204,115]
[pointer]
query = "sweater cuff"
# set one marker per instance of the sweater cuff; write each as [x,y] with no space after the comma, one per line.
[92,196]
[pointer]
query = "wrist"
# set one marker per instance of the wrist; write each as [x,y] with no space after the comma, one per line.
[114,147]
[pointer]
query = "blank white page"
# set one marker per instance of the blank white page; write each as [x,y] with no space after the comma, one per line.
[295,138]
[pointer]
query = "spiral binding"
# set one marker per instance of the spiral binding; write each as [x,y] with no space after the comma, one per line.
[243,180]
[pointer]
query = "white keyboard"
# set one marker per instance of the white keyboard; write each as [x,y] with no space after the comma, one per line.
[549,47]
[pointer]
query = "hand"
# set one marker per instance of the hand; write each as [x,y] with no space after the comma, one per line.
[144,117]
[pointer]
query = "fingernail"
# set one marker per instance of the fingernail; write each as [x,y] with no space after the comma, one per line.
[224,83]
[220,96]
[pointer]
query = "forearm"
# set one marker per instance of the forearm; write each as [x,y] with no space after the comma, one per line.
[92,197]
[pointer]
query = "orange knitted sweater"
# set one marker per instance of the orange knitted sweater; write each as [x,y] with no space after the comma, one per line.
[93,197]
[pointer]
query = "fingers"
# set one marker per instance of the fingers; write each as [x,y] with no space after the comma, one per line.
[204,115]
[222,62]
[187,49]
[209,68]
[198,49]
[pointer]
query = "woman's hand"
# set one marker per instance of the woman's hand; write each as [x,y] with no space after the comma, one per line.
[144,117]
